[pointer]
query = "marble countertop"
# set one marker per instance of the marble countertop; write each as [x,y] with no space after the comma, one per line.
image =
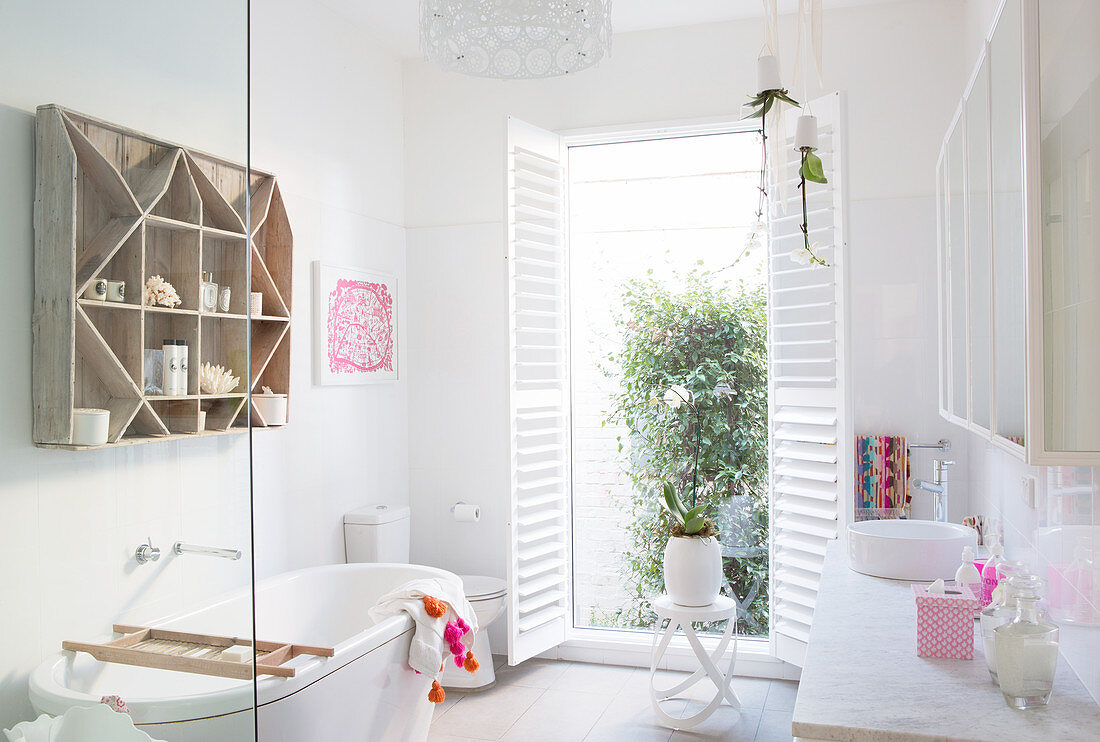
[863,681]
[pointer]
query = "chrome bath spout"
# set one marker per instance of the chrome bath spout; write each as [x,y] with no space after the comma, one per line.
[182,548]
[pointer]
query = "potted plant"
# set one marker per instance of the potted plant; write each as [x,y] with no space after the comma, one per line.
[693,557]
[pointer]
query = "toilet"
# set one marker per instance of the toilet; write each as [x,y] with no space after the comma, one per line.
[380,533]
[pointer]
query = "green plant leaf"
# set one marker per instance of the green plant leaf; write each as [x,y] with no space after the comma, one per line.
[694,513]
[694,525]
[672,502]
[812,168]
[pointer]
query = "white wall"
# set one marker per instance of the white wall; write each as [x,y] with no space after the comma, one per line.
[897,62]
[327,119]
[70,521]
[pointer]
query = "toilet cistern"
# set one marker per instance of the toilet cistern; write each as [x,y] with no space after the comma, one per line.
[938,487]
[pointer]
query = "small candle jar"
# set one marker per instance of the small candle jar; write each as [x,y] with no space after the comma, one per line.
[116,291]
[97,290]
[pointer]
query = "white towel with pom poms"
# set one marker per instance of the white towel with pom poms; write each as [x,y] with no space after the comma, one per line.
[426,651]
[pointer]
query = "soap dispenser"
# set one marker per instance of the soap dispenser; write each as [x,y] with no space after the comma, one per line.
[967,574]
[1027,651]
[991,572]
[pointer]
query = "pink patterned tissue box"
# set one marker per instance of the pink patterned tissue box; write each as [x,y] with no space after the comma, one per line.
[945,623]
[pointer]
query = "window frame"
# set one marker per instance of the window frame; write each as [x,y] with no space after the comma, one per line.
[754,655]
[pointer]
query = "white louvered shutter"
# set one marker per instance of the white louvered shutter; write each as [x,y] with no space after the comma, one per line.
[538,528]
[809,410]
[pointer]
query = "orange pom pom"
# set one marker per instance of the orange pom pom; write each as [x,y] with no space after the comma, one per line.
[434,606]
[471,664]
[437,694]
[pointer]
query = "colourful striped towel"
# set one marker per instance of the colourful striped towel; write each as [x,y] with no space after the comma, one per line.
[882,472]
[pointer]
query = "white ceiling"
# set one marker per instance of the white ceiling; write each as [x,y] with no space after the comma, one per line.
[393,23]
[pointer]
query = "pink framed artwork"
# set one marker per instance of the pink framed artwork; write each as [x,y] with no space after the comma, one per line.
[355,325]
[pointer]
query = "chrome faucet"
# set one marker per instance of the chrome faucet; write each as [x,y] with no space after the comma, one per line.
[182,548]
[938,487]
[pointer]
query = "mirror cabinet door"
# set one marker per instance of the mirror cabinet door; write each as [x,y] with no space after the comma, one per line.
[978,251]
[1009,258]
[956,269]
[1069,87]
[944,294]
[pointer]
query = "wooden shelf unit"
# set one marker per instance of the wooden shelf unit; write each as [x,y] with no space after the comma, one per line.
[116,204]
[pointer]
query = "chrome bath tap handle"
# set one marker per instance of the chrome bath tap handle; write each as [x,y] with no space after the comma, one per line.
[146,552]
[182,548]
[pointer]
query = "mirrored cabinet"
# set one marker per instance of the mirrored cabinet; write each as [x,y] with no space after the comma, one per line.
[1019,259]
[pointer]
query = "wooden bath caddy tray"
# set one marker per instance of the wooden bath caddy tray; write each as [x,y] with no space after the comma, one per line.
[195,653]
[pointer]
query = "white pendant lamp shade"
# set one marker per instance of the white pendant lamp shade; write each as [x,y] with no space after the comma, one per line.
[805,133]
[515,39]
[767,73]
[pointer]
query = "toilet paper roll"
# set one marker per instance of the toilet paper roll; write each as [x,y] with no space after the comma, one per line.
[466,513]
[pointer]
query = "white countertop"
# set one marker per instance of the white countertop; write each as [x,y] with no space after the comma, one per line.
[863,681]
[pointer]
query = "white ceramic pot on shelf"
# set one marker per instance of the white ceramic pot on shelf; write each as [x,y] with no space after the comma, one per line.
[693,570]
[272,407]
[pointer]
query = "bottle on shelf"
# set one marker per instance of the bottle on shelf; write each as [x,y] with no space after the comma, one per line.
[170,367]
[208,293]
[181,367]
[990,572]
[1027,651]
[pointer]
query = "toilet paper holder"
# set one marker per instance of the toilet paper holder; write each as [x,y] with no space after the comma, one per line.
[465,513]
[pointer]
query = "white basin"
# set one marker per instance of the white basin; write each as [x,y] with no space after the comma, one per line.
[917,550]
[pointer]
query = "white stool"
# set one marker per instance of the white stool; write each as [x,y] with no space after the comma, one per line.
[678,616]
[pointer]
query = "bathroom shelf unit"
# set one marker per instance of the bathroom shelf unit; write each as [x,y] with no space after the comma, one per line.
[115,204]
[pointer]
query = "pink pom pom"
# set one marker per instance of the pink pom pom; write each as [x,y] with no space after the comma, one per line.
[458,660]
[463,626]
[451,634]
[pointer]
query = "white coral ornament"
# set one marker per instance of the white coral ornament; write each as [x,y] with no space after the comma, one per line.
[216,379]
[159,292]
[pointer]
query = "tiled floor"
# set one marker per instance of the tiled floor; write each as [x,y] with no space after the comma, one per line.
[544,701]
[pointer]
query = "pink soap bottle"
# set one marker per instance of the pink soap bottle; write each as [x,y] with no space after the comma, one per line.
[991,572]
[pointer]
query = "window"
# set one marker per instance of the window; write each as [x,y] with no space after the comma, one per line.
[620,252]
[663,291]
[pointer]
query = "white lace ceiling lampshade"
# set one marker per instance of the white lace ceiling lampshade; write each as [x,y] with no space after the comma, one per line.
[515,39]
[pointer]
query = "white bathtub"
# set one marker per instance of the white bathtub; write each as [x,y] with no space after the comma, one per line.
[365,693]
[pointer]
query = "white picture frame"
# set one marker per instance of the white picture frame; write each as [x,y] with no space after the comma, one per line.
[355,326]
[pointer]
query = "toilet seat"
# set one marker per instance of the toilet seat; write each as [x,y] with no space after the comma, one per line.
[478,588]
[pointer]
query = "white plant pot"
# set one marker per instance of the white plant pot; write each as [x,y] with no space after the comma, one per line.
[272,407]
[693,570]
